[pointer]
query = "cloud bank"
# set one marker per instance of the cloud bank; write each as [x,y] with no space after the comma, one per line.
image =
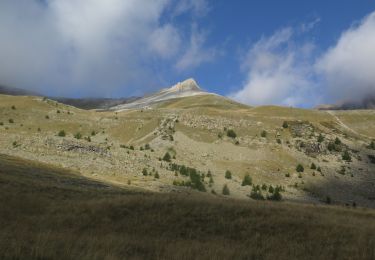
[281,71]
[76,47]
[278,71]
[348,67]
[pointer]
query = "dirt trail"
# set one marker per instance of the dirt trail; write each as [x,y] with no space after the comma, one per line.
[332,113]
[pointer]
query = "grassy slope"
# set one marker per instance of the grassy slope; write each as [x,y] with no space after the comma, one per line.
[50,213]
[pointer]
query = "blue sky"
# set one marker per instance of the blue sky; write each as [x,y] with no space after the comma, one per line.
[290,52]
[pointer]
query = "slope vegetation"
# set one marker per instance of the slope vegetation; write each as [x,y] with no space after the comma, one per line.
[51,213]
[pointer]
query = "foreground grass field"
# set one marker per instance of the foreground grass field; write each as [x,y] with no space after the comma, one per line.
[48,213]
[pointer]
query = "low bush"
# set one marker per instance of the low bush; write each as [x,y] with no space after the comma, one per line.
[300,168]
[275,196]
[61,133]
[167,157]
[313,166]
[346,156]
[263,133]
[256,195]
[231,133]
[226,191]
[247,181]
[228,174]
[285,124]
[78,135]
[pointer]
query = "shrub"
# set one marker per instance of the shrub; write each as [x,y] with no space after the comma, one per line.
[39,129]
[167,157]
[78,135]
[331,146]
[263,133]
[278,140]
[156,175]
[320,138]
[14,107]
[346,156]
[213,192]
[313,166]
[319,169]
[256,195]
[328,200]
[271,189]
[247,180]
[285,124]
[1,123]
[337,141]
[228,174]
[147,147]
[11,121]
[275,196]
[93,133]
[287,174]
[61,133]
[58,112]
[144,172]
[220,135]
[14,144]
[47,116]
[231,133]
[264,187]
[342,170]
[196,181]
[195,178]
[300,168]
[88,138]
[372,145]
[211,181]
[226,190]
[131,147]
[371,158]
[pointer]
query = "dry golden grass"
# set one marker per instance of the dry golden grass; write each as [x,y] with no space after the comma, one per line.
[48,213]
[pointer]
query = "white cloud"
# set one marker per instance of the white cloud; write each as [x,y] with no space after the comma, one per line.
[306,27]
[199,7]
[348,67]
[197,53]
[278,72]
[88,46]
[165,41]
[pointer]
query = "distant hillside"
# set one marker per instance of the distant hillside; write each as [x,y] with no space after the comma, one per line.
[366,103]
[94,103]
[83,103]
[17,91]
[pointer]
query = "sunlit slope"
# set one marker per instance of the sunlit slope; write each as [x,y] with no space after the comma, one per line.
[118,147]
[202,101]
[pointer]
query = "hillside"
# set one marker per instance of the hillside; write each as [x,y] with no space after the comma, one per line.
[51,213]
[208,134]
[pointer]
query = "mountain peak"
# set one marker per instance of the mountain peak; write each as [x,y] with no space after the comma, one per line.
[187,85]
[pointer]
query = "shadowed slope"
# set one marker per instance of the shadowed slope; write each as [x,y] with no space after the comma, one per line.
[50,213]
